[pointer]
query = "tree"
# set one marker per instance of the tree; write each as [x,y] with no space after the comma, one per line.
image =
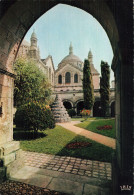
[88,89]
[32,96]
[105,88]
[30,83]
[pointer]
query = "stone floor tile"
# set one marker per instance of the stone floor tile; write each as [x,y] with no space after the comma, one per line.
[39,180]
[91,190]
[55,169]
[66,186]
[61,170]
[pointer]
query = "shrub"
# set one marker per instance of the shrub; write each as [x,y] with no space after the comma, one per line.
[71,112]
[34,115]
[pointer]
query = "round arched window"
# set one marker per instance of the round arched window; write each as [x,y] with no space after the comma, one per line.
[60,79]
[67,77]
[76,78]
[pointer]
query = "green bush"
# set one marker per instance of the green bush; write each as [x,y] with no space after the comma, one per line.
[34,115]
[71,112]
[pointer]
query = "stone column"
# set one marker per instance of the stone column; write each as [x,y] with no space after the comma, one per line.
[122,160]
[10,153]
[63,79]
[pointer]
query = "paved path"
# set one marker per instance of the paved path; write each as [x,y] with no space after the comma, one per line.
[77,166]
[107,141]
[70,175]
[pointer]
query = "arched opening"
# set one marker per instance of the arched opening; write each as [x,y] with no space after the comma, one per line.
[76,78]
[114,20]
[67,105]
[60,79]
[67,77]
[113,109]
[97,109]
[80,106]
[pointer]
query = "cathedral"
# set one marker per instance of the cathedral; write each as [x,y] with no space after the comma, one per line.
[66,80]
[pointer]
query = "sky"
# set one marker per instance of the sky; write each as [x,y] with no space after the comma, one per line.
[64,24]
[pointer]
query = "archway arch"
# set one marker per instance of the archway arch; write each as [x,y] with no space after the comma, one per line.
[80,106]
[97,109]
[67,104]
[113,109]
[16,17]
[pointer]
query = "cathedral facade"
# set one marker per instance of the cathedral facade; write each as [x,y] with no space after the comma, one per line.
[66,80]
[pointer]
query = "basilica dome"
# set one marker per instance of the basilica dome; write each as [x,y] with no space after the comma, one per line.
[72,59]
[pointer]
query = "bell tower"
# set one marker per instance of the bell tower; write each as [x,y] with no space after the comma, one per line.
[90,57]
[33,40]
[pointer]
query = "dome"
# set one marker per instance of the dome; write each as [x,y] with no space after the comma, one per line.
[71,57]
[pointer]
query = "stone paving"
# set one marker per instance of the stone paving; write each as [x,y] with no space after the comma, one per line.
[77,166]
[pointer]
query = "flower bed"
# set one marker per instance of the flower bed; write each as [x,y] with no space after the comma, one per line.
[105,127]
[75,145]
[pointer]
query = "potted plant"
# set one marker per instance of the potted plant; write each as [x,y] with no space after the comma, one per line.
[85,113]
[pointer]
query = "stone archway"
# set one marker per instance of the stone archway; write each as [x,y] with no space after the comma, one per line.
[16,17]
[113,109]
[80,106]
[67,105]
[97,109]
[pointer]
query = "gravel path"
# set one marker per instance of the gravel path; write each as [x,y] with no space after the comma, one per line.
[17,188]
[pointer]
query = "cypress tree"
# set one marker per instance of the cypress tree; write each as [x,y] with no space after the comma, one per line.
[88,90]
[105,88]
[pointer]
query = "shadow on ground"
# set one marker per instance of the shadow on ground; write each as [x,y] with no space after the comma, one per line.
[27,135]
[94,151]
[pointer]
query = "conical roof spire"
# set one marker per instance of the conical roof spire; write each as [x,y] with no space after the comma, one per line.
[71,49]
[33,40]
[90,57]
[33,35]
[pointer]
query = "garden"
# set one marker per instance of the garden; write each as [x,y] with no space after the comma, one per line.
[60,141]
[101,126]
[35,125]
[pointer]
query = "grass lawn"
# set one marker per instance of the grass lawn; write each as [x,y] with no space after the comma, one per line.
[54,141]
[91,126]
[82,119]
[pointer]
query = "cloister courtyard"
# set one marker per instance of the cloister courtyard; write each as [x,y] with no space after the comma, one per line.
[93,156]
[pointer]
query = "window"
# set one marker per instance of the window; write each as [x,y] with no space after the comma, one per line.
[67,77]
[76,78]
[60,79]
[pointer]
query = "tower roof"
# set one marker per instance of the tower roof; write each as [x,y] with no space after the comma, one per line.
[90,55]
[34,35]
[90,58]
